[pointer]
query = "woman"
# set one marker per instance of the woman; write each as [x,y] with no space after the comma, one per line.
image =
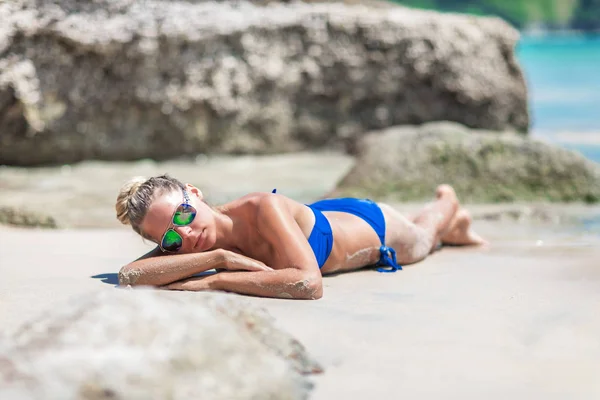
[268,245]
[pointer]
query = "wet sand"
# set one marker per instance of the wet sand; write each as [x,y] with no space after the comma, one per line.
[518,319]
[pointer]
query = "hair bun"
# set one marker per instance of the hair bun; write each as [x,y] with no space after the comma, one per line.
[127,191]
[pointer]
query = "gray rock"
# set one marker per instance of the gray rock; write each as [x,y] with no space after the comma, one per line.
[122,79]
[407,163]
[21,217]
[138,344]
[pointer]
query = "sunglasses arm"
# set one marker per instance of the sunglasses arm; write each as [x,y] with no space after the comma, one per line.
[158,269]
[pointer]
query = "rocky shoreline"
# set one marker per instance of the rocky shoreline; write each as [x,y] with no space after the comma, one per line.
[114,80]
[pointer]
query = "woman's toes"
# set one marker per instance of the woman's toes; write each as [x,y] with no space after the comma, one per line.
[460,232]
[444,191]
[475,239]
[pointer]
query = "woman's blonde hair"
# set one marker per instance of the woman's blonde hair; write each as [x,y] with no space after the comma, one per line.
[136,196]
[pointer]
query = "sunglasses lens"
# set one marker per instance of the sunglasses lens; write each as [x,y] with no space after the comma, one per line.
[184,215]
[172,241]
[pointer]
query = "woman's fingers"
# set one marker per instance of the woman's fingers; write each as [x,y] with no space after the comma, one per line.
[173,286]
[194,284]
[261,266]
[248,266]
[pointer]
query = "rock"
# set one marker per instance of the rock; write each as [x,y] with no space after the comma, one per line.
[20,217]
[407,163]
[143,344]
[123,80]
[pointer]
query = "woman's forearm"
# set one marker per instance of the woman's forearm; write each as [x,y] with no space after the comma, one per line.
[288,283]
[158,271]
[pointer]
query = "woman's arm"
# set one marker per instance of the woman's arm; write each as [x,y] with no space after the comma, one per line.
[158,269]
[296,273]
[289,283]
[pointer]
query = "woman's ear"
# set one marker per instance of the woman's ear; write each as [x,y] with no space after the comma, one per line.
[194,191]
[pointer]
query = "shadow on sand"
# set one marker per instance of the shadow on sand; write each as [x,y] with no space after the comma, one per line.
[111,279]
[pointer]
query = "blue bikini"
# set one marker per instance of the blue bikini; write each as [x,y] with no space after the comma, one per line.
[321,237]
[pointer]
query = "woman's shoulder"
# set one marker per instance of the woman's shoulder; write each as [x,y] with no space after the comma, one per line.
[253,199]
[261,200]
[269,209]
[258,197]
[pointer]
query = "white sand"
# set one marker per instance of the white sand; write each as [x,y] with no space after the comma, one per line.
[518,320]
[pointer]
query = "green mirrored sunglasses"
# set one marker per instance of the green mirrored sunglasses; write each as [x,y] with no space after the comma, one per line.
[184,215]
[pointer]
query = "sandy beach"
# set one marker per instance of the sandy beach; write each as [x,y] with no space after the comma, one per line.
[518,319]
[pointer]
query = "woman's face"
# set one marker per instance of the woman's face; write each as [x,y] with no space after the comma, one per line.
[198,236]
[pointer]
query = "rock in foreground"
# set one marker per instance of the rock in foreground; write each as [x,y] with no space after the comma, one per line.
[124,80]
[407,163]
[153,345]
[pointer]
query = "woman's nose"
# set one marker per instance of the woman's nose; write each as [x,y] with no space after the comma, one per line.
[184,231]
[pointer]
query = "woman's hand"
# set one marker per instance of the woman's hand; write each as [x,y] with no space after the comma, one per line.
[195,284]
[237,262]
[232,262]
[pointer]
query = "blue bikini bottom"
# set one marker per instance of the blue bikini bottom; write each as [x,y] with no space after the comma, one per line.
[321,237]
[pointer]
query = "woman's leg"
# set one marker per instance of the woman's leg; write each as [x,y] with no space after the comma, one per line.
[414,239]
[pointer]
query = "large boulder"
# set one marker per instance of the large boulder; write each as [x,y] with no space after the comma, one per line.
[123,79]
[408,162]
[141,344]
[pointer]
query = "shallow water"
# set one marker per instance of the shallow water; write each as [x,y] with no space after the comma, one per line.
[563,74]
[563,77]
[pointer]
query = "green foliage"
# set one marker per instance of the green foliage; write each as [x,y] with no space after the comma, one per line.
[587,15]
[578,14]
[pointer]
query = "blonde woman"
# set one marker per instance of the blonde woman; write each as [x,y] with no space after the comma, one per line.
[265,244]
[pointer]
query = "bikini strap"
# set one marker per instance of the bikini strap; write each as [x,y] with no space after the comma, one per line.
[388,259]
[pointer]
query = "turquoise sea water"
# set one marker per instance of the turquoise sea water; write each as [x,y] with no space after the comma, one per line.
[563,77]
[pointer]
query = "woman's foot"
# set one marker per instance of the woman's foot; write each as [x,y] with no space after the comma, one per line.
[459,232]
[447,206]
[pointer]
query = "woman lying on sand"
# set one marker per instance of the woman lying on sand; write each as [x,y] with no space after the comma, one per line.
[266,244]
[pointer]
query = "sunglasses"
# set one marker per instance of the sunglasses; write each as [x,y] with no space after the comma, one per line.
[184,215]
